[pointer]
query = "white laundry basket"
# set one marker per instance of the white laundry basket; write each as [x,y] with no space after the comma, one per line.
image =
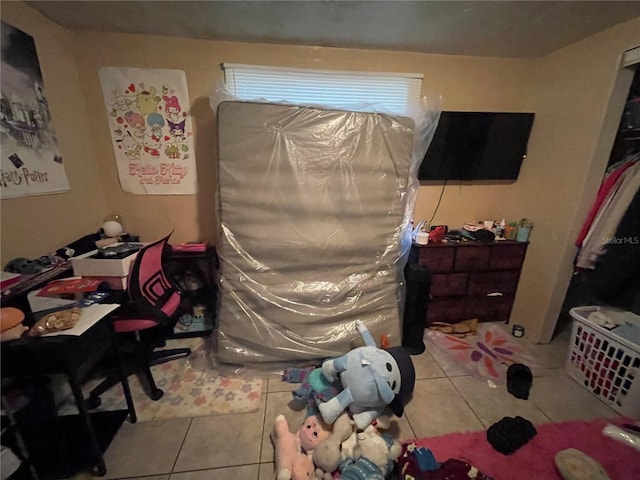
[604,363]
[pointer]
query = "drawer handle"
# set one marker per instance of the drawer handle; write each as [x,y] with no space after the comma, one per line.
[495,294]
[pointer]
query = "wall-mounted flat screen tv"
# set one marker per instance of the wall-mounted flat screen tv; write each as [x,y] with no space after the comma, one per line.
[477,146]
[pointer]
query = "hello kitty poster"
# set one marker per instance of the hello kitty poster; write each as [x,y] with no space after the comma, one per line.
[151,130]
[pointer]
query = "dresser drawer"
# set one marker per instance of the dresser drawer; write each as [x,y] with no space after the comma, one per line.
[448,284]
[507,256]
[492,309]
[445,310]
[437,259]
[470,280]
[481,284]
[472,257]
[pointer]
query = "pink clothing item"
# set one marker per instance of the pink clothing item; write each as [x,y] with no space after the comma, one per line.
[608,217]
[609,183]
[133,324]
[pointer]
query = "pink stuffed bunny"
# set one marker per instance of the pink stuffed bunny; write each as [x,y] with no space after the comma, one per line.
[312,432]
[291,462]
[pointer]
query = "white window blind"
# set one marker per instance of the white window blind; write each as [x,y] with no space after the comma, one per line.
[391,92]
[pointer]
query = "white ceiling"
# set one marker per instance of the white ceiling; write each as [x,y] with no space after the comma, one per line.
[478,28]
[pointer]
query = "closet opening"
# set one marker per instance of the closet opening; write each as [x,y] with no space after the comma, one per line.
[606,268]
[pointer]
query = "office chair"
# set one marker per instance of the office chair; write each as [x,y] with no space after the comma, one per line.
[144,322]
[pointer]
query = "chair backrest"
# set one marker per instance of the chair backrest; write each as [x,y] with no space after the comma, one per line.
[150,290]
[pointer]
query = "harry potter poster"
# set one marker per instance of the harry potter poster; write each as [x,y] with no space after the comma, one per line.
[31,163]
[150,129]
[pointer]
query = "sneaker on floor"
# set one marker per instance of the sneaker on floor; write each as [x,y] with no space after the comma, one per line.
[576,465]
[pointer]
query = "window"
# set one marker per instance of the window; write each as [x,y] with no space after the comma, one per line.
[390,92]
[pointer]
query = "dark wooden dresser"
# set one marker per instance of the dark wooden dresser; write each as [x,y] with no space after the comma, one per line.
[471,280]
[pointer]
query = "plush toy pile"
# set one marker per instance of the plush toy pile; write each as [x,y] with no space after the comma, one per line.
[341,436]
[418,463]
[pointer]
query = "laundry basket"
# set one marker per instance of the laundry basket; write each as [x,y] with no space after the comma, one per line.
[604,363]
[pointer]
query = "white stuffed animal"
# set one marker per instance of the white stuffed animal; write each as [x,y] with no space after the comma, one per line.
[373,456]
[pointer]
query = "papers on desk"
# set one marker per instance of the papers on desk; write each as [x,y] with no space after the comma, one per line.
[90,316]
[7,279]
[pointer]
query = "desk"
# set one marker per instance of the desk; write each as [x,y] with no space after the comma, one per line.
[73,356]
[16,294]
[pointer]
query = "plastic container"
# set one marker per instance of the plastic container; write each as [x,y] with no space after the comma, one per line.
[523,234]
[422,238]
[510,232]
[604,363]
[524,230]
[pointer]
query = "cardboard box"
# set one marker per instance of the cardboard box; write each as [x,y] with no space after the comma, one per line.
[88,266]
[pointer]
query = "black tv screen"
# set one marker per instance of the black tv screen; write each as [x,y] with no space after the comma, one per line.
[477,146]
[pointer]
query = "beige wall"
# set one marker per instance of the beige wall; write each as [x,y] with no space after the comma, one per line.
[577,94]
[570,91]
[33,226]
[464,83]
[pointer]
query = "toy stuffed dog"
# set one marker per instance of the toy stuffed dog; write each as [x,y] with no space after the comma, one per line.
[372,378]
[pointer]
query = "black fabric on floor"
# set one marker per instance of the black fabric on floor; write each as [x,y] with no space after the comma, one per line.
[519,380]
[59,448]
[509,434]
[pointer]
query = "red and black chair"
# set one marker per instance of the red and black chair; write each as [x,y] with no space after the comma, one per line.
[145,321]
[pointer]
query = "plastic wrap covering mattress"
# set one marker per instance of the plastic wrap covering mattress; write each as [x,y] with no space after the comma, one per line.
[311,209]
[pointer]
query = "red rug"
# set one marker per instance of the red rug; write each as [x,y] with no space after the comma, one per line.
[535,460]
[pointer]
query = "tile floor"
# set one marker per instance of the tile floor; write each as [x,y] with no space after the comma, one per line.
[445,400]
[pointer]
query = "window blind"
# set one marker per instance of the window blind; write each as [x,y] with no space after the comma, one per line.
[391,92]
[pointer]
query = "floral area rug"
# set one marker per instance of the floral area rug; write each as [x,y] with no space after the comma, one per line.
[486,355]
[191,389]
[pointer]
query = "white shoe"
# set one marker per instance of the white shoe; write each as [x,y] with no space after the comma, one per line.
[576,465]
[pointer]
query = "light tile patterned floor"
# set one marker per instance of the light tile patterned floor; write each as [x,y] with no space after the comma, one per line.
[445,400]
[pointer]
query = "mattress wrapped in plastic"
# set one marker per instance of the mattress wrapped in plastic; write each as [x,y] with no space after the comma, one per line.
[312,211]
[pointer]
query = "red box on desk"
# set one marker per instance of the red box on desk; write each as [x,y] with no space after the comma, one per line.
[62,293]
[37,303]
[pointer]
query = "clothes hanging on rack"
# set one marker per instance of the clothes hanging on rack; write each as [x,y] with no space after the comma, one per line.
[629,158]
[610,183]
[606,221]
[616,278]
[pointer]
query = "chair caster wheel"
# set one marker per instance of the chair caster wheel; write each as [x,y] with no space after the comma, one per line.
[156,394]
[93,402]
